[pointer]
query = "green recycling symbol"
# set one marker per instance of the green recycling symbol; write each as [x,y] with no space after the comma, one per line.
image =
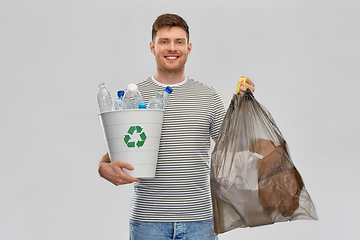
[133,133]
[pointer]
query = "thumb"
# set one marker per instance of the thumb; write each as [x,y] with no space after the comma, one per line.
[125,165]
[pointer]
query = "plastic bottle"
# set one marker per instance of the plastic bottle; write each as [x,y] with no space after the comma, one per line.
[157,102]
[142,105]
[133,95]
[104,99]
[168,90]
[121,103]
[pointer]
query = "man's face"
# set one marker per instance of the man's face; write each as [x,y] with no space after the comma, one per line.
[171,49]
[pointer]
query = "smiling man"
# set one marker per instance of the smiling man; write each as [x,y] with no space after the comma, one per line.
[176,204]
[170,46]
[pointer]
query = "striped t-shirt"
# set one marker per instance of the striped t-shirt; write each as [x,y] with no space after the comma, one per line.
[181,189]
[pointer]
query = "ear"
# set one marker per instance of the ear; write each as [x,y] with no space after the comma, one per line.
[152,47]
[189,48]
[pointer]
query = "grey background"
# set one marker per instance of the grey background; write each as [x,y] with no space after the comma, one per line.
[302,55]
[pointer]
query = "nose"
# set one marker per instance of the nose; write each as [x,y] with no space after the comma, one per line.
[172,47]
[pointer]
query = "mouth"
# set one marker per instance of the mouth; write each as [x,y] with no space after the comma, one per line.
[171,57]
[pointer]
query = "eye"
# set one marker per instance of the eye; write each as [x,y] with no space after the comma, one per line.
[180,42]
[163,42]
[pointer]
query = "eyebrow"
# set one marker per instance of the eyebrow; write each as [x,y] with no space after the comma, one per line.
[182,39]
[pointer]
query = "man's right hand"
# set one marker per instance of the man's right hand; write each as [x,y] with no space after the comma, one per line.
[113,172]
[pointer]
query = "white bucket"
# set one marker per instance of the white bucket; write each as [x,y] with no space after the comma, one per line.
[133,136]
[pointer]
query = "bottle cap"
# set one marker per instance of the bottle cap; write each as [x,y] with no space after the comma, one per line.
[120,93]
[102,84]
[142,105]
[168,89]
[132,87]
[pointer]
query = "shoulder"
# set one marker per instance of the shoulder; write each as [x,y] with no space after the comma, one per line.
[200,86]
[148,86]
[145,82]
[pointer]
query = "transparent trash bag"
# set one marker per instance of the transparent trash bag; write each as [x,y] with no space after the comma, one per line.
[253,179]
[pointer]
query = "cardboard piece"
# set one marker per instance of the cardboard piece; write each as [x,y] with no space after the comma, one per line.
[280,183]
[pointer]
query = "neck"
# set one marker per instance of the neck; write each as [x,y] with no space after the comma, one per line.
[169,77]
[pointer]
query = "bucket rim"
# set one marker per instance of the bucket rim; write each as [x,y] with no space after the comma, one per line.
[128,110]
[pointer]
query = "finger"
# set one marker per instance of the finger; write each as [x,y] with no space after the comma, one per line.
[126,177]
[252,89]
[242,89]
[249,82]
[119,175]
[128,166]
[125,165]
[122,182]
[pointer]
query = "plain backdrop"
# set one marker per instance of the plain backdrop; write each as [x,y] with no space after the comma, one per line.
[302,55]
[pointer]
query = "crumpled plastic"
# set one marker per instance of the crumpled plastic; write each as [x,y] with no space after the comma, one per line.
[253,179]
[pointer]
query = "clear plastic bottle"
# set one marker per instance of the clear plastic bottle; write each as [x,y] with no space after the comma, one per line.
[168,90]
[157,102]
[133,95]
[104,99]
[121,103]
[142,105]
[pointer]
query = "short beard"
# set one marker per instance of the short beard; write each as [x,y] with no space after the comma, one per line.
[171,71]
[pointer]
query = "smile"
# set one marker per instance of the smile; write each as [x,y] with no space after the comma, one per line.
[171,57]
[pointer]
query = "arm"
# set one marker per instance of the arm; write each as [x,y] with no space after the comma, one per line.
[113,172]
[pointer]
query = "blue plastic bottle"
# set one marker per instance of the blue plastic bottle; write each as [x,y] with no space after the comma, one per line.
[121,103]
[168,90]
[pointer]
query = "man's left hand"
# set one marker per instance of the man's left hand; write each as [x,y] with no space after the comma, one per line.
[249,84]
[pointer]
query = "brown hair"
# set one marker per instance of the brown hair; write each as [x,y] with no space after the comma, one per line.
[169,20]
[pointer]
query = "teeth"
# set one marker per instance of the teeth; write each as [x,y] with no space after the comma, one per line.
[171,57]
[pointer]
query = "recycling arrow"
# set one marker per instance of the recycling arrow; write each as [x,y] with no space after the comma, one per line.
[128,140]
